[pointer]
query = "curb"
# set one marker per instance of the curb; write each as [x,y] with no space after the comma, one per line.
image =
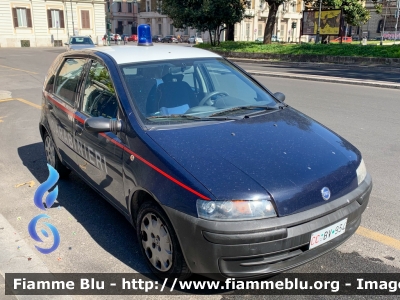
[15,260]
[380,84]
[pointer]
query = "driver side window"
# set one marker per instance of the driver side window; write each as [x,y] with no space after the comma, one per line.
[99,99]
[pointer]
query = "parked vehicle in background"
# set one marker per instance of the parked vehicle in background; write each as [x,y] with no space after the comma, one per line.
[156,38]
[274,38]
[132,38]
[347,39]
[195,40]
[117,37]
[169,39]
[79,42]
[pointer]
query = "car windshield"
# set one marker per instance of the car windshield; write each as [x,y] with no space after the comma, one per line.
[81,40]
[169,91]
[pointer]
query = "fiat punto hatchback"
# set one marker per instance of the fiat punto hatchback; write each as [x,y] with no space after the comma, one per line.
[217,174]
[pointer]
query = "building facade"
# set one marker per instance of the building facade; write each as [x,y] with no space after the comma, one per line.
[253,25]
[40,23]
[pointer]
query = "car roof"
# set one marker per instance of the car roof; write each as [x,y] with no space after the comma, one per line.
[81,36]
[133,54]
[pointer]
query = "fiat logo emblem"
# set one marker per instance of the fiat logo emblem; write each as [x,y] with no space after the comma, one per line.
[326,193]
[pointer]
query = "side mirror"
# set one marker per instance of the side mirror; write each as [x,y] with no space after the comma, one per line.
[100,124]
[281,97]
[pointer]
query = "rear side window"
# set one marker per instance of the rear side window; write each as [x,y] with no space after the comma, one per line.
[66,82]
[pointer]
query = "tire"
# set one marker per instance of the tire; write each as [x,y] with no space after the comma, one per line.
[156,236]
[169,41]
[52,157]
[162,41]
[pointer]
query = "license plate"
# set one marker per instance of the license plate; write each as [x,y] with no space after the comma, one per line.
[329,233]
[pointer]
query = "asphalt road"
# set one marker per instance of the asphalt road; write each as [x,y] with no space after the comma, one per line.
[96,238]
[376,73]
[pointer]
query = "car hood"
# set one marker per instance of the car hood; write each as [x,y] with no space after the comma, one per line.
[283,153]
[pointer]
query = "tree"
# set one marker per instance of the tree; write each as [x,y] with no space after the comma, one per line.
[205,15]
[269,26]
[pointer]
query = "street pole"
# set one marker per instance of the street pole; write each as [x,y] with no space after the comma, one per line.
[319,22]
[384,22]
[72,15]
[66,18]
[397,20]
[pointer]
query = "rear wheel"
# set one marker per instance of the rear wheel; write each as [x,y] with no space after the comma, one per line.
[159,243]
[52,157]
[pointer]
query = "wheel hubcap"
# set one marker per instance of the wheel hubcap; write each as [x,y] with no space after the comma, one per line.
[50,151]
[156,242]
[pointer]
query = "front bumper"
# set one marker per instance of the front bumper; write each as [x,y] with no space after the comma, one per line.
[250,249]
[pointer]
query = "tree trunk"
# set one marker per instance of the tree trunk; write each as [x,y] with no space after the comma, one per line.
[269,27]
[211,38]
[230,32]
[218,36]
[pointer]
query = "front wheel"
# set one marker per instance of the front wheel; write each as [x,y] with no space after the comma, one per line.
[159,243]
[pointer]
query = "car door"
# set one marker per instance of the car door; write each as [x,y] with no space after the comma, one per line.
[98,159]
[61,104]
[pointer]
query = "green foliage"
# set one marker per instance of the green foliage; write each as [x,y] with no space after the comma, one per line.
[102,78]
[204,15]
[309,49]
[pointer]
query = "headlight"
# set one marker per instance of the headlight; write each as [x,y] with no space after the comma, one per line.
[361,172]
[235,210]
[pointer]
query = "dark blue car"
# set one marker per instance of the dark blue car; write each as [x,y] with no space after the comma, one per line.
[216,174]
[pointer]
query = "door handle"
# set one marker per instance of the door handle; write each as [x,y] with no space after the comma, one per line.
[49,106]
[78,129]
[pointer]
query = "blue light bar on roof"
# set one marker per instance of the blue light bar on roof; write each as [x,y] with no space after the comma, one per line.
[144,35]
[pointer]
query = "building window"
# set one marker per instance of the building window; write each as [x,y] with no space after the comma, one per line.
[22,17]
[85,19]
[260,29]
[129,7]
[186,32]
[293,6]
[119,6]
[148,7]
[159,29]
[55,18]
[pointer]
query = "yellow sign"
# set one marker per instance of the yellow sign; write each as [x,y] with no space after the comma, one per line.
[330,22]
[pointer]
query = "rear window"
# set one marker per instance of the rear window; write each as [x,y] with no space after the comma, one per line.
[81,40]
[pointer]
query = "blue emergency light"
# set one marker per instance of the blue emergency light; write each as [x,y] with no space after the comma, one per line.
[144,35]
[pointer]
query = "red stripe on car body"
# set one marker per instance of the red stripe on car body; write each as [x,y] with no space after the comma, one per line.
[71,113]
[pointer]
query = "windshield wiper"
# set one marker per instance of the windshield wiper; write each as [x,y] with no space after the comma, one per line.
[195,118]
[247,107]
